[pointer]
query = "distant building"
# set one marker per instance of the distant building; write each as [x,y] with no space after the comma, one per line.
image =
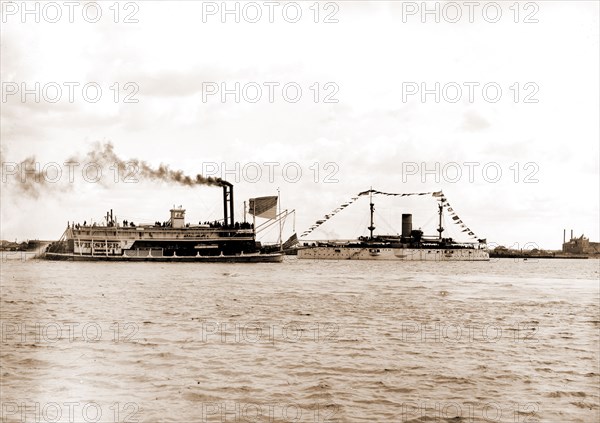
[581,245]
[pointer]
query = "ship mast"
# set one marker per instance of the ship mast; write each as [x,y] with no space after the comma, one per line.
[372,208]
[440,229]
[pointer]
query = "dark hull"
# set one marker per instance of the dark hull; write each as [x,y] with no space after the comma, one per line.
[243,258]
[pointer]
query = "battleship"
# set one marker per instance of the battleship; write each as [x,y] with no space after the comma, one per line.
[173,240]
[410,245]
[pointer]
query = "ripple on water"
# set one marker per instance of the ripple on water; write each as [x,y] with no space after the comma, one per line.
[365,342]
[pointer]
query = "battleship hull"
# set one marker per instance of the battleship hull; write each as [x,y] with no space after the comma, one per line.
[392,254]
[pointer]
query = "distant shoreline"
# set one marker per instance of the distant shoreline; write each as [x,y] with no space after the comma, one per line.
[558,255]
[25,246]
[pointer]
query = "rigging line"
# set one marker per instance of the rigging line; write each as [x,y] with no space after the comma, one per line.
[266,232]
[337,210]
[385,222]
[364,222]
[428,222]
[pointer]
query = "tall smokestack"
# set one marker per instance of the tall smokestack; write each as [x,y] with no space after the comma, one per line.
[564,236]
[571,233]
[228,218]
[406,225]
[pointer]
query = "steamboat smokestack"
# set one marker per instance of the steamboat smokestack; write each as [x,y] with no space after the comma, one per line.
[571,233]
[228,218]
[406,225]
[564,236]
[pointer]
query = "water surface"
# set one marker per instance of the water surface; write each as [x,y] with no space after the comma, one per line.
[305,341]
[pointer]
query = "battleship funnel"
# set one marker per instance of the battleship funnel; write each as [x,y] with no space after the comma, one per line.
[406,225]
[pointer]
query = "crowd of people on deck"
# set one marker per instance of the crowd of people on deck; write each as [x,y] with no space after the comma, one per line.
[214,224]
[93,225]
[219,225]
[77,225]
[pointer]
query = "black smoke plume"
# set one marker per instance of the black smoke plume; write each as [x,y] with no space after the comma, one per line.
[105,156]
[31,177]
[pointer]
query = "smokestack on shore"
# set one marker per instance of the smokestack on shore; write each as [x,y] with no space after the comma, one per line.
[406,225]
[564,236]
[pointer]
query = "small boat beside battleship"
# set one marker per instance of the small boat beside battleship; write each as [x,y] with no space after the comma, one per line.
[410,245]
[171,241]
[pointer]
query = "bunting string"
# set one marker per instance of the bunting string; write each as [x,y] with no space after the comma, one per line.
[437,194]
[457,220]
[328,216]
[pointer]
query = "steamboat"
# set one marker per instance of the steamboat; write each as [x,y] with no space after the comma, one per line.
[410,245]
[173,240]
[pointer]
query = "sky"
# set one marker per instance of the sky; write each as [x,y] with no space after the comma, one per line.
[497,105]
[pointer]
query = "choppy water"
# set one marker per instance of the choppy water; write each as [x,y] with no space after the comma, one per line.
[304,341]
